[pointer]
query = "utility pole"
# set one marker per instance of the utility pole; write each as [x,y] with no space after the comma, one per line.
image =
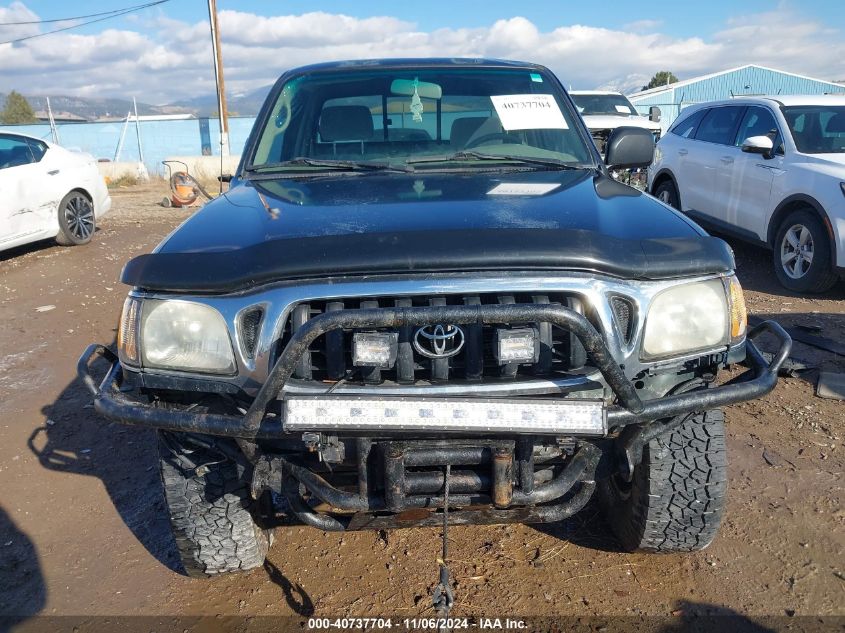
[138,131]
[122,136]
[218,77]
[53,129]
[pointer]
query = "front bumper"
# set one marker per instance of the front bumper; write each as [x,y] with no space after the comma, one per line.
[260,423]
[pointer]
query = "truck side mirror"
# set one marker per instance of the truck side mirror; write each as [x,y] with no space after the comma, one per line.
[654,114]
[629,147]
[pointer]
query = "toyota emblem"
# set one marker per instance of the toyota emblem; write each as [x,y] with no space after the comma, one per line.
[439,341]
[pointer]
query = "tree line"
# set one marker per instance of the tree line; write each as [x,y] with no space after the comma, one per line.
[17,110]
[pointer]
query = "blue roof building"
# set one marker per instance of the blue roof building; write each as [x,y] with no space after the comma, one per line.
[744,81]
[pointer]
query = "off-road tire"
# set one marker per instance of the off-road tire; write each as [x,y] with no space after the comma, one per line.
[675,500]
[211,514]
[820,276]
[77,222]
[667,193]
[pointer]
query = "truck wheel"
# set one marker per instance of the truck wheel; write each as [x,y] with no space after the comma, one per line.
[802,255]
[76,219]
[675,499]
[210,510]
[667,193]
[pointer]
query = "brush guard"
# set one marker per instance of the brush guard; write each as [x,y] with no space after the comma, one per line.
[413,498]
[258,423]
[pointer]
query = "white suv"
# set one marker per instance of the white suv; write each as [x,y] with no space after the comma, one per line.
[766,169]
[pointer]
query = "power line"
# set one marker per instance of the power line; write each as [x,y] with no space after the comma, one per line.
[83,17]
[113,14]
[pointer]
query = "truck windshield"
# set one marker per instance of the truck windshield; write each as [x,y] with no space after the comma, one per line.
[353,119]
[603,104]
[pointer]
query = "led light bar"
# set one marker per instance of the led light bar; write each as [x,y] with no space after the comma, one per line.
[364,413]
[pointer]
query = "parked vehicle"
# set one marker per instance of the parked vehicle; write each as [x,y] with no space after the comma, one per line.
[48,192]
[604,112]
[423,291]
[770,170]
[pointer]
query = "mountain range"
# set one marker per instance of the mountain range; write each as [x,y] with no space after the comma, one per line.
[246,104]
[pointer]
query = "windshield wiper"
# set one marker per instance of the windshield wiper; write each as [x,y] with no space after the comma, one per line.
[551,163]
[339,165]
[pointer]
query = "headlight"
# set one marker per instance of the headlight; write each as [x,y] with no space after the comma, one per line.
[687,318]
[178,335]
[187,336]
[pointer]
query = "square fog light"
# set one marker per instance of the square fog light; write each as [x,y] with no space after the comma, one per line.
[375,349]
[517,346]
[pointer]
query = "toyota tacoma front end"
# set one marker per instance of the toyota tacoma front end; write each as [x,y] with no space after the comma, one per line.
[424,294]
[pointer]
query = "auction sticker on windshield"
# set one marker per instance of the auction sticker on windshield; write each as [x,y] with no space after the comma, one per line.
[529,112]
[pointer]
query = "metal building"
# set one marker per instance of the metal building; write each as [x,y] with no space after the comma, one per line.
[736,82]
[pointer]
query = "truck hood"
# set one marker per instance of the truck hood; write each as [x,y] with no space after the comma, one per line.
[389,223]
[612,121]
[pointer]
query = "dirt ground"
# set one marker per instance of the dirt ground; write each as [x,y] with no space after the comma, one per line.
[83,528]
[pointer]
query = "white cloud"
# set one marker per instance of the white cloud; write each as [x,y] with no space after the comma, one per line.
[17,12]
[639,26]
[309,30]
[167,59]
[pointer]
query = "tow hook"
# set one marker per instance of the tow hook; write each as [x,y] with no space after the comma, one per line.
[443,598]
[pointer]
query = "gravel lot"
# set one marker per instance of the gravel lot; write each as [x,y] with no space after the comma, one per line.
[83,530]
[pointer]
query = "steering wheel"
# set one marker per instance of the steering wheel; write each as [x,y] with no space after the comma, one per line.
[486,138]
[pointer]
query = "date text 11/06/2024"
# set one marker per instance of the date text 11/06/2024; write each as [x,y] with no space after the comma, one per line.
[416,623]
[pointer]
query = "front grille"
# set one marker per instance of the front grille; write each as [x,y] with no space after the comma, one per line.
[330,356]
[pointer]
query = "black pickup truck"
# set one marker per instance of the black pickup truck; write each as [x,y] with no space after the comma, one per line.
[423,299]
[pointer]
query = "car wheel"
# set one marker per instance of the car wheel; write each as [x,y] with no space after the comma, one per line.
[76,219]
[802,256]
[675,499]
[211,510]
[667,193]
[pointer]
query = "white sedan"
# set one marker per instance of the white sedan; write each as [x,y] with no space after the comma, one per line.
[47,192]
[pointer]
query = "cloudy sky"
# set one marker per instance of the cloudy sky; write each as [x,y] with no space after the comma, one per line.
[162,54]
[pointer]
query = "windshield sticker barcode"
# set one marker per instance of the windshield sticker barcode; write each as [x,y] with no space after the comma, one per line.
[529,112]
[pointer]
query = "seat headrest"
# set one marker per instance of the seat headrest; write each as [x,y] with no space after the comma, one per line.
[19,155]
[346,123]
[724,118]
[462,129]
[836,125]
